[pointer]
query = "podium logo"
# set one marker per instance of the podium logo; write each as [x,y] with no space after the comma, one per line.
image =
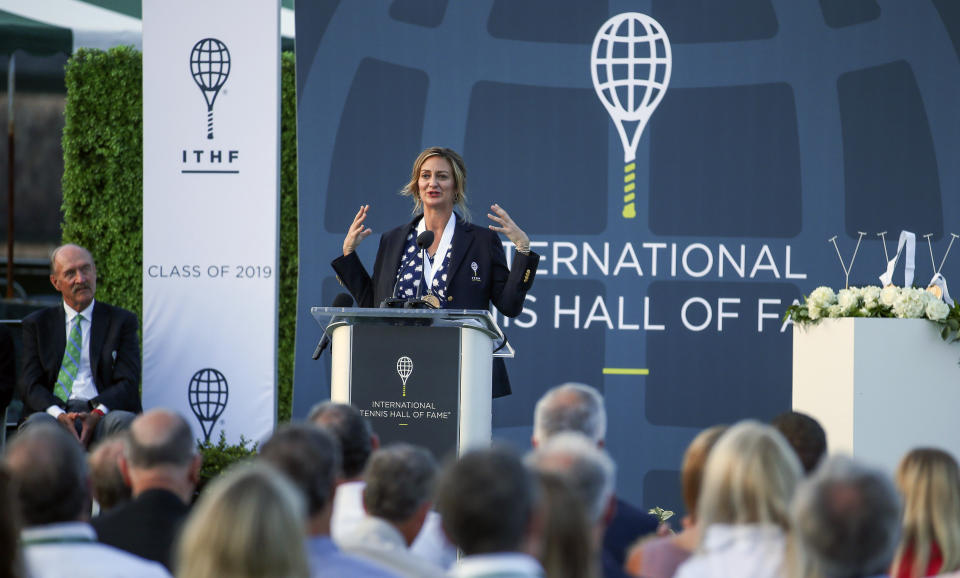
[404,369]
[630,64]
[210,67]
[207,393]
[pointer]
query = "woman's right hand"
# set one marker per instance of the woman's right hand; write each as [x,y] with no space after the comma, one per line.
[357,231]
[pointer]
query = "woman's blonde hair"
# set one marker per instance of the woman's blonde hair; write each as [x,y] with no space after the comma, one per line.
[250,523]
[929,481]
[750,476]
[412,188]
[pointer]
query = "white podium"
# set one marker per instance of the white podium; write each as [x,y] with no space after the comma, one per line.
[418,375]
[879,387]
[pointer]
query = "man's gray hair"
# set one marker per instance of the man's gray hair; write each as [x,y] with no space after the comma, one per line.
[847,518]
[399,479]
[588,469]
[570,407]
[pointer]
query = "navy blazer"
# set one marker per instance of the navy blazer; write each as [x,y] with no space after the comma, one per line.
[114,358]
[493,281]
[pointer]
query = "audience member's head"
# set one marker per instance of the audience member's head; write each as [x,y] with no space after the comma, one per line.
[160,452]
[310,458]
[586,468]
[357,440]
[846,520]
[570,407]
[929,481]
[49,470]
[10,558]
[106,479]
[694,462]
[805,435]
[750,476]
[486,500]
[399,484]
[247,524]
[567,550]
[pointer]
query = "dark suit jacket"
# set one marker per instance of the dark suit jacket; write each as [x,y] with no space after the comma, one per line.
[628,524]
[146,526]
[8,372]
[493,281]
[114,357]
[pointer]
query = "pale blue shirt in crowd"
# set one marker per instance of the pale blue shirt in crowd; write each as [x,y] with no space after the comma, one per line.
[327,561]
[504,564]
[71,549]
[83,386]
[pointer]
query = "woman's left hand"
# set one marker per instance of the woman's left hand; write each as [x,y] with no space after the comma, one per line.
[508,228]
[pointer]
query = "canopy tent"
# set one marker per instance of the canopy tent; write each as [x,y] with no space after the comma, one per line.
[43,33]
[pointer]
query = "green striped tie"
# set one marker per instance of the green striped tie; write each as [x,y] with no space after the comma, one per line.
[70,366]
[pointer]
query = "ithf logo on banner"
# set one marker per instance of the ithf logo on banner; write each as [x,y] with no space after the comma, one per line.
[210,68]
[208,393]
[404,369]
[630,63]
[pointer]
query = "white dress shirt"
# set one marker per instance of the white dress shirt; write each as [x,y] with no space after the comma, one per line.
[83,386]
[71,549]
[742,550]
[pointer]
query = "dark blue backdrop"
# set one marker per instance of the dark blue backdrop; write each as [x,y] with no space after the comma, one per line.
[785,123]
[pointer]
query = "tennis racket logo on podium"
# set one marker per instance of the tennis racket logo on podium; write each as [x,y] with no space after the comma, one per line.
[630,64]
[404,369]
[207,394]
[210,67]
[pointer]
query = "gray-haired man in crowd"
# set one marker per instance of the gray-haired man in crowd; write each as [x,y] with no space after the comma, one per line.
[397,497]
[161,465]
[49,470]
[847,519]
[579,408]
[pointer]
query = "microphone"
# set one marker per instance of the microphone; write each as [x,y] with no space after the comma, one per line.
[424,240]
[341,300]
[428,301]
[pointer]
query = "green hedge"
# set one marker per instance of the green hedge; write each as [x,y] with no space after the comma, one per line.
[103,185]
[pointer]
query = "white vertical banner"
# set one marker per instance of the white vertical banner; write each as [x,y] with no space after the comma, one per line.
[211,128]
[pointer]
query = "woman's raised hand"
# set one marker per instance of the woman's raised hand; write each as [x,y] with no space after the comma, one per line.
[357,231]
[509,228]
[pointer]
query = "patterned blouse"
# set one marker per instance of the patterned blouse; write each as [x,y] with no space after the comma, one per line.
[410,272]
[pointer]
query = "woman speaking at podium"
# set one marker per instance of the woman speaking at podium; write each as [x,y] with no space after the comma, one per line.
[465,265]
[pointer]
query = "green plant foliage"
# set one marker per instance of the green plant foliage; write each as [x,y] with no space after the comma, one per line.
[103,168]
[217,458]
[288,236]
[103,186]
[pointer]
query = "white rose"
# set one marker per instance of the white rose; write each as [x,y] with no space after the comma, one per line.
[814,312]
[836,311]
[937,310]
[889,294]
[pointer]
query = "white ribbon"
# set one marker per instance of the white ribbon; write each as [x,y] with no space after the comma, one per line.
[940,282]
[908,240]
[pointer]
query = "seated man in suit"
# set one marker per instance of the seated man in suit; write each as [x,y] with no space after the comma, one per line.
[81,358]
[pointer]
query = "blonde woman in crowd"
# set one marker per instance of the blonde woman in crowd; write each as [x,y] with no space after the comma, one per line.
[748,482]
[929,481]
[660,557]
[248,524]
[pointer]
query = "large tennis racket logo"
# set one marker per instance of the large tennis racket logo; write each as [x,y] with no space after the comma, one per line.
[210,67]
[630,64]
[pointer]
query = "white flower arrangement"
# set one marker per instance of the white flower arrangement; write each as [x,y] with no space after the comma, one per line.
[871,301]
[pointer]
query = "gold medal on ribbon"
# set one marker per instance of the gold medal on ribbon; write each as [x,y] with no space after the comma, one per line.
[936,291]
[432,300]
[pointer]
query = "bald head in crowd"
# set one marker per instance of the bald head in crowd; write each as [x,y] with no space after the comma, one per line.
[570,407]
[49,469]
[160,452]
